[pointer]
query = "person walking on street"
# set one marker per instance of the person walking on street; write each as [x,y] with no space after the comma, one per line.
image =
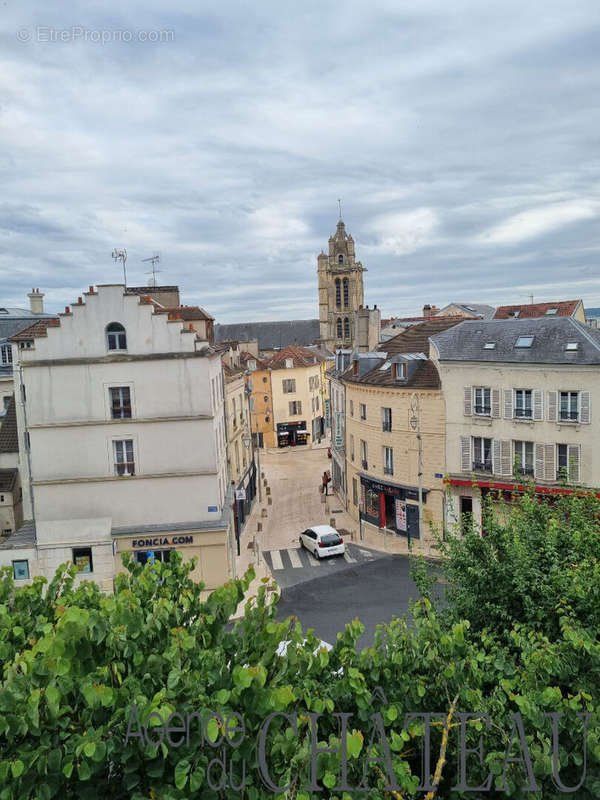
[325,480]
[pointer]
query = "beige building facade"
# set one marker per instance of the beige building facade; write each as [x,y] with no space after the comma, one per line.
[519,405]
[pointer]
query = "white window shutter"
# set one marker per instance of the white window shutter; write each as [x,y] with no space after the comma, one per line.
[508,404]
[538,404]
[549,468]
[468,401]
[505,456]
[585,412]
[496,403]
[465,454]
[574,463]
[552,406]
[496,463]
[539,462]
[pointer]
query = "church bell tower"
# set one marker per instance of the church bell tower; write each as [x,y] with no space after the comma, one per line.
[340,291]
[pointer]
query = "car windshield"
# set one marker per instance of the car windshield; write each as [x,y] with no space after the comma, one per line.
[330,539]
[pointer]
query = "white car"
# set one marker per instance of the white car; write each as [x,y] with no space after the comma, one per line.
[322,541]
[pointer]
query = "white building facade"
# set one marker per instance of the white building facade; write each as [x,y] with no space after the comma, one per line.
[120,412]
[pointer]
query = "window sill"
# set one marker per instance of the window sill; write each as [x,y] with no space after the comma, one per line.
[528,420]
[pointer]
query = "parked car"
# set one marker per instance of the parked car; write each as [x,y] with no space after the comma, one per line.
[322,541]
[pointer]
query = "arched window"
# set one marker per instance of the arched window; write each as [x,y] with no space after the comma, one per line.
[116,339]
[346,328]
[338,293]
[346,293]
[340,259]
[339,327]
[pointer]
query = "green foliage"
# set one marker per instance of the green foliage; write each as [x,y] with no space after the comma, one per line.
[75,663]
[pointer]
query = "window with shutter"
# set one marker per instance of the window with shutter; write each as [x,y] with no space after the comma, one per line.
[465,453]
[496,462]
[538,405]
[508,403]
[574,463]
[496,403]
[468,401]
[552,406]
[505,456]
[539,461]
[585,408]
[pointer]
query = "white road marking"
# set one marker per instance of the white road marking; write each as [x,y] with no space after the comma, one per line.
[295,558]
[349,558]
[276,559]
[365,553]
[315,562]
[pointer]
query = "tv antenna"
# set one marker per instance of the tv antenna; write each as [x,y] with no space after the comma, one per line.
[121,255]
[154,260]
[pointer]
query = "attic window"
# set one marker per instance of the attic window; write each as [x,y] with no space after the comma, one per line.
[524,341]
[251,364]
[514,314]
[550,311]
[399,371]
[489,346]
[355,367]
[572,346]
[289,363]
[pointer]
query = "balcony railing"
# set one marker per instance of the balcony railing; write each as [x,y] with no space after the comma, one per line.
[524,470]
[483,411]
[523,413]
[482,466]
[569,416]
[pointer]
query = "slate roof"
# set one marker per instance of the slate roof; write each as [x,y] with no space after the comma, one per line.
[8,479]
[185,312]
[9,440]
[271,335]
[11,325]
[480,309]
[465,342]
[565,308]
[24,537]
[414,341]
[301,357]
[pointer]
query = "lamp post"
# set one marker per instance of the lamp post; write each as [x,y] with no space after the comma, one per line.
[415,424]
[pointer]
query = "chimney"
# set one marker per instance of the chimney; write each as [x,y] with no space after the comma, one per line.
[427,311]
[36,301]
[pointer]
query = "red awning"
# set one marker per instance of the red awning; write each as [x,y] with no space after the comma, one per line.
[514,487]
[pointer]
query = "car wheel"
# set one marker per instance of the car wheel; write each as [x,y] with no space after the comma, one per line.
[301,541]
[317,554]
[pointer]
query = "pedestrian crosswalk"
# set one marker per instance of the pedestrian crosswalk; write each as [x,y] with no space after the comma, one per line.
[299,558]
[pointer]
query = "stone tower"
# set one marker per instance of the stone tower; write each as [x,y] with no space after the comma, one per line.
[340,291]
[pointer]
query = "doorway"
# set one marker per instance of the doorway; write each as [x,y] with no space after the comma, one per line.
[466,514]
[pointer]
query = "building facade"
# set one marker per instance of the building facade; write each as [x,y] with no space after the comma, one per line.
[122,443]
[519,409]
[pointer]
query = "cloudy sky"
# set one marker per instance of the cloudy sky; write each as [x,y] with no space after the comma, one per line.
[463,139]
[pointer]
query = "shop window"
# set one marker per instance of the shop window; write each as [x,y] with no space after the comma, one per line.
[116,338]
[20,570]
[372,503]
[120,402]
[152,556]
[82,558]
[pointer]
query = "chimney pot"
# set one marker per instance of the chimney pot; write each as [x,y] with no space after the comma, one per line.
[67,310]
[36,301]
[91,290]
[79,301]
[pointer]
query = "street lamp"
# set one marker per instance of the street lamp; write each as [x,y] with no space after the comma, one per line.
[415,424]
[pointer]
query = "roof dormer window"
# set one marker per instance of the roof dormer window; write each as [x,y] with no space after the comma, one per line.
[399,371]
[551,311]
[524,341]
[289,363]
[489,346]
[572,346]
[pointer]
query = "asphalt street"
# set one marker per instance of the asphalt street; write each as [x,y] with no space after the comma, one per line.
[374,591]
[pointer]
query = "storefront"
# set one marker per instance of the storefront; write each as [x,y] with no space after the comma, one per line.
[391,506]
[290,434]
[245,493]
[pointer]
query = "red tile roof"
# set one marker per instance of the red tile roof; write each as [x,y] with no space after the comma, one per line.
[35,330]
[185,312]
[300,356]
[566,308]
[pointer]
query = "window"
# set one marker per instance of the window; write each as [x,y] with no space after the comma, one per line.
[351,408]
[388,460]
[289,363]
[524,341]
[115,336]
[317,405]
[6,354]
[289,385]
[364,454]
[338,293]
[295,408]
[482,454]
[399,370]
[346,328]
[523,407]
[1,498]
[572,346]
[569,406]
[252,366]
[346,293]
[152,556]
[551,311]
[82,558]
[386,419]
[489,346]
[523,458]
[363,411]
[338,327]
[351,447]
[567,462]
[355,491]
[123,453]
[340,259]
[483,405]
[515,314]
[20,570]
[120,400]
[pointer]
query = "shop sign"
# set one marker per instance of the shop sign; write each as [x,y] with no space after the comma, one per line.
[400,515]
[162,541]
[240,494]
